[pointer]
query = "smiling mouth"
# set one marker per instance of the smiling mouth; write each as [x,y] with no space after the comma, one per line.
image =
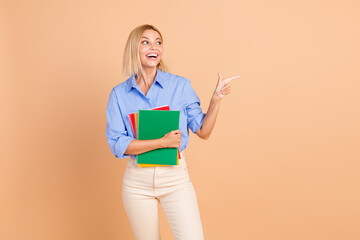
[152,56]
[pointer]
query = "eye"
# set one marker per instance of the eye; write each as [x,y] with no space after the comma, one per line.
[159,43]
[143,41]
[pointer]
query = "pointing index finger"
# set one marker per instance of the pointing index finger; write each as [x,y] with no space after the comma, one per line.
[226,80]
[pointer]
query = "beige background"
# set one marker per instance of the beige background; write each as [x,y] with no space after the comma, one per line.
[282,162]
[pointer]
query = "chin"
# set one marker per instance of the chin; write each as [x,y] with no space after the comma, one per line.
[154,65]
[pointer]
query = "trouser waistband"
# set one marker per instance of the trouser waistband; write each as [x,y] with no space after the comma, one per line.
[182,155]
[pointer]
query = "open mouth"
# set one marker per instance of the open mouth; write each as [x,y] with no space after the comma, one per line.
[152,56]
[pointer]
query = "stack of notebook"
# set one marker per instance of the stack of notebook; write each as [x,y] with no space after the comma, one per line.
[154,124]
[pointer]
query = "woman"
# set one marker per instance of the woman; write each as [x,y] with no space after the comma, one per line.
[150,86]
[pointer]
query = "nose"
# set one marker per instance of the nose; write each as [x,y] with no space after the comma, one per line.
[154,46]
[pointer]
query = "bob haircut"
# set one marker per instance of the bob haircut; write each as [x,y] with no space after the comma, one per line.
[131,58]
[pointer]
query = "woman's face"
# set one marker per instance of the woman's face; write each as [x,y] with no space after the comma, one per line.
[150,44]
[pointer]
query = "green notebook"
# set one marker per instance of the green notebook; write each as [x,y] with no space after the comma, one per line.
[154,124]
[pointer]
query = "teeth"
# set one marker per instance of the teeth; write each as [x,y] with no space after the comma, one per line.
[152,55]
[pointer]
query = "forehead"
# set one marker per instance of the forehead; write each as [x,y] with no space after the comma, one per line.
[149,33]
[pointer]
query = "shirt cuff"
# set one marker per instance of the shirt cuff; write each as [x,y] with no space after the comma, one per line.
[121,147]
[196,123]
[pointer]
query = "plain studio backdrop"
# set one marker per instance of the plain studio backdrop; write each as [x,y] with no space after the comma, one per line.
[281,164]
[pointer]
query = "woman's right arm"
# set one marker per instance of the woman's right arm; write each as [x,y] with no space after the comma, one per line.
[123,145]
[169,140]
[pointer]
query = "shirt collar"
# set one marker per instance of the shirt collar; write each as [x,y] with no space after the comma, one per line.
[159,78]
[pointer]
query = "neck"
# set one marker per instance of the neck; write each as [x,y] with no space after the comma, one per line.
[147,76]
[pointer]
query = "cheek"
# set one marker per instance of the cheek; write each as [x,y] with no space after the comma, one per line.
[142,50]
[142,57]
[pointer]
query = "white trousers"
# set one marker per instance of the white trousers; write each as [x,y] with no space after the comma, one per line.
[144,188]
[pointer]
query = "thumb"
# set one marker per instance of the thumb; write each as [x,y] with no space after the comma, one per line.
[219,85]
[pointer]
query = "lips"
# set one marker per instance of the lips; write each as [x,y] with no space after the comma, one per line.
[152,56]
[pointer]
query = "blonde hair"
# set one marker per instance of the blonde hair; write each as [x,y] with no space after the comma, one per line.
[131,58]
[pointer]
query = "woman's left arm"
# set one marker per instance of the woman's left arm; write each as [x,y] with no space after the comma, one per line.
[222,89]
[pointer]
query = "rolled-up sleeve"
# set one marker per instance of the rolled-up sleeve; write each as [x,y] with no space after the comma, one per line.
[195,116]
[116,133]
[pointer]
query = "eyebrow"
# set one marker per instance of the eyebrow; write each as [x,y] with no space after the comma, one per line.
[147,38]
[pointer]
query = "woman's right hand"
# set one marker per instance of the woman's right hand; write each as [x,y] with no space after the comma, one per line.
[172,139]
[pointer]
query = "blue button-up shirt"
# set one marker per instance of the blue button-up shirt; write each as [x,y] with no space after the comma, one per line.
[167,89]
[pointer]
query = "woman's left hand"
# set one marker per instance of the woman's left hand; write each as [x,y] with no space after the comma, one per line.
[223,87]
